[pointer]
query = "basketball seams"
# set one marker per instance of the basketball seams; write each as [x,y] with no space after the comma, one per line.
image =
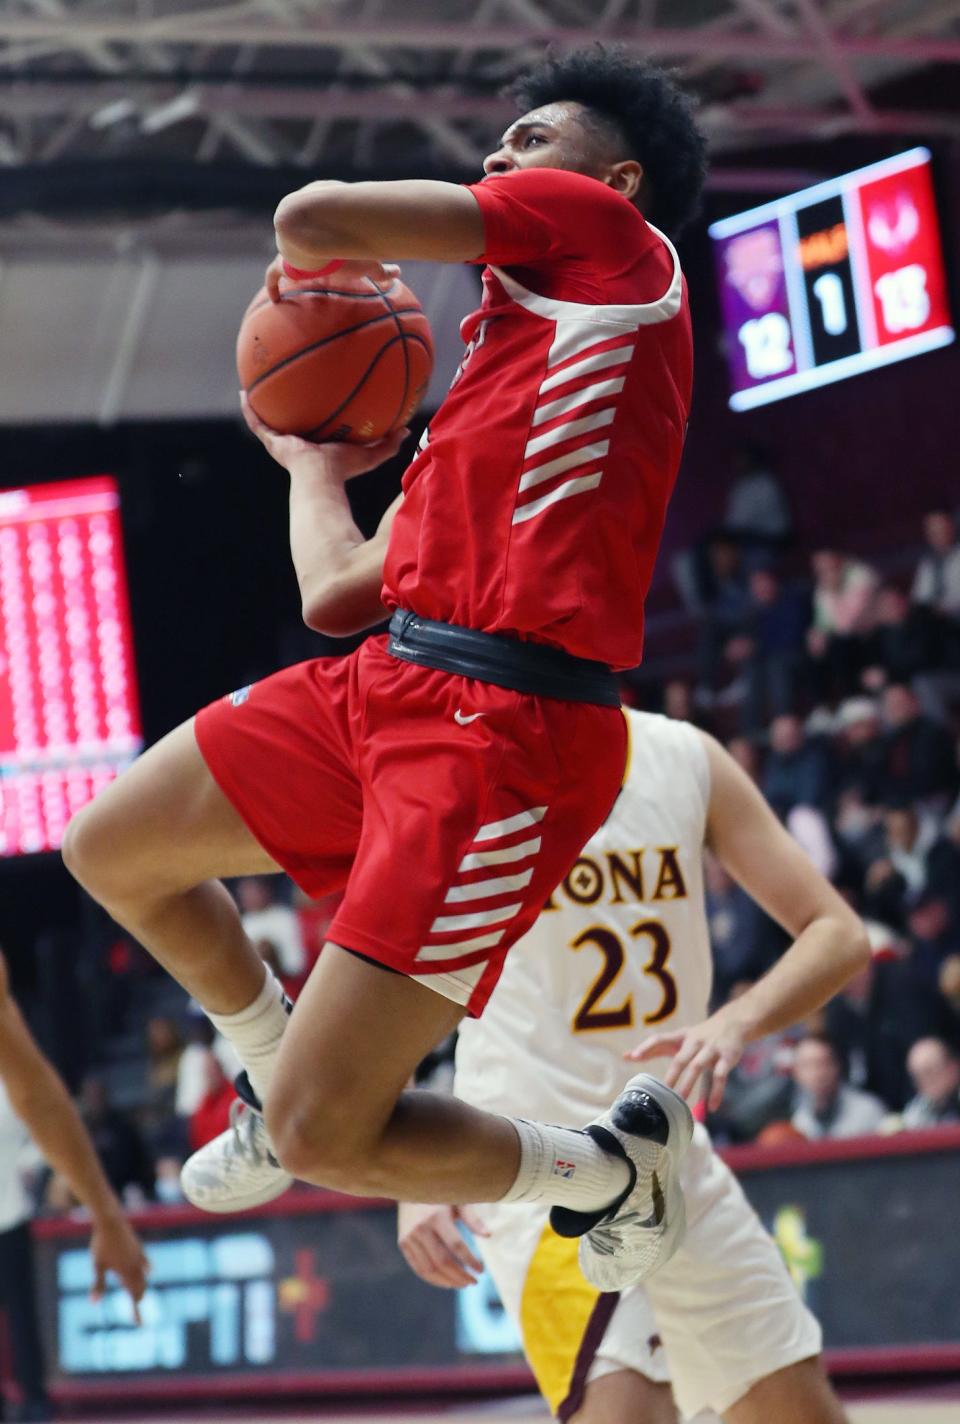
[401,407]
[403,337]
[324,341]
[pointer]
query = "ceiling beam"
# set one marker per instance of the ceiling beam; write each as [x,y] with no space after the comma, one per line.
[835,58]
[221,28]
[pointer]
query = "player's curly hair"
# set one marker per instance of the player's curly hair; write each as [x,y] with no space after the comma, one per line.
[645,107]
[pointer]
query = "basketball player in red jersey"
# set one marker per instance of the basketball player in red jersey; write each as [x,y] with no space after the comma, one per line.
[447,774]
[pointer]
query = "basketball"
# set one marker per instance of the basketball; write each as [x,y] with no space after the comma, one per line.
[336,358]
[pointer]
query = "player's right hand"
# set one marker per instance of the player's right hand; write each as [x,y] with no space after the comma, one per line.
[334,457]
[433,1247]
[115,1246]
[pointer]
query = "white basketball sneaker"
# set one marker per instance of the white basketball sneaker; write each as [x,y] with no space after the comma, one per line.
[236,1170]
[650,1127]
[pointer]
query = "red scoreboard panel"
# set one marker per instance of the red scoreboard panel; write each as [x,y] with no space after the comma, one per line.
[69,715]
[831,281]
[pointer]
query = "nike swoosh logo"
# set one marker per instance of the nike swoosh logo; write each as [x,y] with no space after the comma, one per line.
[463,719]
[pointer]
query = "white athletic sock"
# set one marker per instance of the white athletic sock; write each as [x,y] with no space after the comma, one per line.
[565,1168]
[256,1031]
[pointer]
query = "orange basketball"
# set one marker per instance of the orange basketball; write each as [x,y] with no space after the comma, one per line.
[337,358]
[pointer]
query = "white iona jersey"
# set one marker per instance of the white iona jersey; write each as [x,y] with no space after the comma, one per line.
[620,951]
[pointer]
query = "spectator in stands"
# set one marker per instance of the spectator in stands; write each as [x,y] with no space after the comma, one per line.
[934,930]
[264,918]
[907,640]
[949,986]
[863,751]
[192,1074]
[827,1106]
[844,612]
[759,1090]
[757,511]
[164,1050]
[797,772]
[211,1116]
[120,1146]
[917,860]
[935,1069]
[936,583]
[921,761]
[732,921]
[678,700]
[715,589]
[771,646]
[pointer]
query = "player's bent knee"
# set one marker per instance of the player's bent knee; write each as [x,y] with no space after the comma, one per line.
[317,1146]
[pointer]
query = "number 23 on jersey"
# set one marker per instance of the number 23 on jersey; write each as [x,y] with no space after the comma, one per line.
[596,1011]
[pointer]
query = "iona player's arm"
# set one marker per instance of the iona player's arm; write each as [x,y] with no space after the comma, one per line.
[411,219]
[829,944]
[42,1103]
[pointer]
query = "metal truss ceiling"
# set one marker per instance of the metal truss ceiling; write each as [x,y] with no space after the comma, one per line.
[366,85]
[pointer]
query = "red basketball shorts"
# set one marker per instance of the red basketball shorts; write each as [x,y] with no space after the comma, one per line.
[448,809]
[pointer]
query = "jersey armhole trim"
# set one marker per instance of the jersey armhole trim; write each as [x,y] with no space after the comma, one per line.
[644,314]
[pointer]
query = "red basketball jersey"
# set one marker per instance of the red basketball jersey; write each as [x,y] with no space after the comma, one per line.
[536,502]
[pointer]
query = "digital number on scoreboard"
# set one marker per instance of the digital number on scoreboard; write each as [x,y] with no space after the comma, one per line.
[69,714]
[831,281]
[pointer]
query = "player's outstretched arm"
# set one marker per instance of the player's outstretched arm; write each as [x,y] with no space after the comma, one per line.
[432,1246]
[340,573]
[39,1098]
[415,218]
[829,947]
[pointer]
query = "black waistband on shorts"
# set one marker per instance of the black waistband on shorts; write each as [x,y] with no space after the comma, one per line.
[506,662]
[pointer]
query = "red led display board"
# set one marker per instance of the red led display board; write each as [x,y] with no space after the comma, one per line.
[69,712]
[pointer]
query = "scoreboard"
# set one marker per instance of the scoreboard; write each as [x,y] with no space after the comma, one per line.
[831,281]
[69,715]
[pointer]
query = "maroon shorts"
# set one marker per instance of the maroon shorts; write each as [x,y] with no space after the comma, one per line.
[449,809]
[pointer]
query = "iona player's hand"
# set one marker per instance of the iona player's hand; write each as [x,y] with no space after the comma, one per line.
[335,458]
[710,1050]
[432,1246]
[115,1246]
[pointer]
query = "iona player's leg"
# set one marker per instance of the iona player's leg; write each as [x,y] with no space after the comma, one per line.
[626,1397]
[146,849]
[798,1394]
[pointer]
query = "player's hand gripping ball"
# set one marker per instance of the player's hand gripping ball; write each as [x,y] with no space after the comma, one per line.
[336,358]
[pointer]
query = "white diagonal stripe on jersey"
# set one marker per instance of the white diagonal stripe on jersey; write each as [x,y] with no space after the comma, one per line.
[568,431]
[573,399]
[537,506]
[493,829]
[434,952]
[449,951]
[446,924]
[581,456]
[455,984]
[619,356]
[483,858]
[486,889]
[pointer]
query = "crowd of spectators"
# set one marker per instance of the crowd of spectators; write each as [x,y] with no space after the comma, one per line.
[837,688]
[834,680]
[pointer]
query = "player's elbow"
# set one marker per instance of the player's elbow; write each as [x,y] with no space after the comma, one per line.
[854,943]
[324,611]
[311,217]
